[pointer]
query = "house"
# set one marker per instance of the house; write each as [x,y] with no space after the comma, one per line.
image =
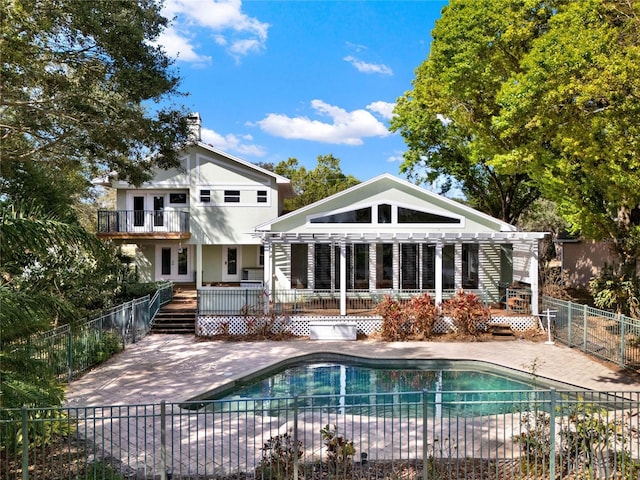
[387,234]
[195,224]
[216,222]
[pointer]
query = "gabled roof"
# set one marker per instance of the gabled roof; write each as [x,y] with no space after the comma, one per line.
[278,178]
[386,182]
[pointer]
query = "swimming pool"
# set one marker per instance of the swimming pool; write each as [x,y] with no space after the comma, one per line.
[344,381]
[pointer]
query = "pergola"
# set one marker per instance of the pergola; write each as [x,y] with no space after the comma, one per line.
[438,239]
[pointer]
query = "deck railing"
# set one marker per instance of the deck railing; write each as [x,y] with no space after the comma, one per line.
[143,221]
[541,434]
[251,300]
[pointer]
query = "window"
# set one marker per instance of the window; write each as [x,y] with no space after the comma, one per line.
[261,256]
[262,196]
[299,265]
[361,265]
[408,215]
[470,265]
[322,273]
[384,213]
[429,266]
[232,196]
[205,196]
[409,265]
[362,215]
[384,265]
[177,198]
[449,267]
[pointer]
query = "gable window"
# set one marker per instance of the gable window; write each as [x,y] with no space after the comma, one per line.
[232,196]
[408,215]
[362,215]
[178,198]
[205,196]
[384,213]
[262,196]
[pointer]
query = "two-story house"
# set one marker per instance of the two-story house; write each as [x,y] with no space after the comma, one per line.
[195,224]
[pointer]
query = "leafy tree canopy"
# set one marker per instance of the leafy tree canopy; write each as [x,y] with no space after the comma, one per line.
[447,118]
[572,114]
[78,79]
[313,185]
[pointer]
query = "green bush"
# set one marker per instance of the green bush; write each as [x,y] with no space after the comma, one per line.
[278,456]
[408,321]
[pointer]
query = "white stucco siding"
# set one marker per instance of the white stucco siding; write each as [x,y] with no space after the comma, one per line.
[522,256]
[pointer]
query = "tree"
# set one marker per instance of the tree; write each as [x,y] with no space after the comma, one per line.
[313,185]
[572,112]
[78,81]
[446,119]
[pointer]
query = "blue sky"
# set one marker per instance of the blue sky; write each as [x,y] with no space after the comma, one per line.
[279,79]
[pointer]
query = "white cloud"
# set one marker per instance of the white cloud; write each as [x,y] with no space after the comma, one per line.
[365,67]
[348,128]
[384,109]
[396,158]
[232,143]
[224,20]
[179,46]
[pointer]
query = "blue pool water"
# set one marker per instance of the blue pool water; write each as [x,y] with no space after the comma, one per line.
[389,389]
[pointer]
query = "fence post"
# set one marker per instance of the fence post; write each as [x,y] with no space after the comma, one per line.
[295,437]
[552,433]
[584,328]
[623,327]
[163,440]
[569,321]
[69,355]
[133,323]
[25,444]
[425,431]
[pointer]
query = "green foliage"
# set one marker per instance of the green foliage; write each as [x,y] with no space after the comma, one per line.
[407,320]
[278,456]
[469,314]
[591,441]
[313,185]
[74,77]
[340,450]
[93,347]
[44,427]
[446,119]
[616,290]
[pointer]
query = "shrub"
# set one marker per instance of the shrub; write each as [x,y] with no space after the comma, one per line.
[278,456]
[396,324]
[340,450]
[424,312]
[468,313]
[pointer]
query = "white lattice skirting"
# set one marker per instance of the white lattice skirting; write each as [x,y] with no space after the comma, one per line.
[210,326]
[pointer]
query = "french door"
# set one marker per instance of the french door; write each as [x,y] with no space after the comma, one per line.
[174,263]
[231,263]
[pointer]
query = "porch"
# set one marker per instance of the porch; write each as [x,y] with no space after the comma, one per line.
[234,309]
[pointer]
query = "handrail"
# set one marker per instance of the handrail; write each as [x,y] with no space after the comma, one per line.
[143,221]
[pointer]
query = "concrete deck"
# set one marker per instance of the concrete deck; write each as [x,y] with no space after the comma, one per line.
[176,368]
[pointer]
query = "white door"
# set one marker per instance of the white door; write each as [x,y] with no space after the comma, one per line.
[173,262]
[231,264]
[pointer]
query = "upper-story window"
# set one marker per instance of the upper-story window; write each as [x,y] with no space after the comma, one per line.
[262,196]
[232,196]
[178,198]
[205,196]
[362,215]
[408,215]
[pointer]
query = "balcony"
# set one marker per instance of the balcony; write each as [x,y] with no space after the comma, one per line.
[137,224]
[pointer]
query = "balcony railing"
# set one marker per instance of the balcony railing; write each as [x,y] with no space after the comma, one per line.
[137,222]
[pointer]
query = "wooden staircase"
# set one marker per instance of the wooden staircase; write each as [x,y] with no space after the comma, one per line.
[179,315]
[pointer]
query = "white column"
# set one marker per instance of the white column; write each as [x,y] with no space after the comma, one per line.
[396,265]
[267,275]
[343,277]
[533,275]
[438,272]
[198,265]
[458,266]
